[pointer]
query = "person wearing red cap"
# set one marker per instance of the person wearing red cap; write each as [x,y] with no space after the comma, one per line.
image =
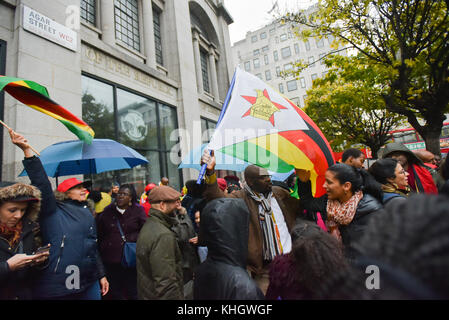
[75,270]
[222,185]
[144,198]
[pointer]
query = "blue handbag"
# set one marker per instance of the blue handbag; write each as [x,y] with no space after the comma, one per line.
[129,250]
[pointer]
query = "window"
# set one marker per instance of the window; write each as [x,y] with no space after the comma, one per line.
[268,75]
[278,71]
[253,39]
[288,66]
[311,61]
[281,88]
[322,58]
[319,42]
[256,63]
[157,36]
[283,37]
[286,52]
[136,121]
[273,30]
[290,35]
[303,82]
[259,75]
[256,52]
[296,48]
[323,74]
[330,39]
[247,66]
[127,23]
[204,71]
[291,85]
[314,76]
[277,39]
[307,44]
[265,49]
[88,11]
[275,55]
[263,35]
[207,128]
[265,59]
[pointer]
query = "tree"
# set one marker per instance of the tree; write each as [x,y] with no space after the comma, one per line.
[348,106]
[407,40]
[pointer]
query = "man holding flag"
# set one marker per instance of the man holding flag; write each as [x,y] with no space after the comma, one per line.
[273,214]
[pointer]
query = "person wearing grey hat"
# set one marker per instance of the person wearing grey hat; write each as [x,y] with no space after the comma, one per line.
[419,179]
[19,239]
[159,259]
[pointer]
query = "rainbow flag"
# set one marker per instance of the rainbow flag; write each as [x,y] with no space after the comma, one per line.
[262,127]
[36,96]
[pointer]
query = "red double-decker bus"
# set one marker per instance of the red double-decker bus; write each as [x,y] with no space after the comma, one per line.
[413,140]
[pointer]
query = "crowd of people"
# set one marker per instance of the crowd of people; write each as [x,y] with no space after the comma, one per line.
[226,238]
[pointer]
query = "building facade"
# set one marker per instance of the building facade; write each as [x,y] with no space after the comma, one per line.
[274,48]
[151,74]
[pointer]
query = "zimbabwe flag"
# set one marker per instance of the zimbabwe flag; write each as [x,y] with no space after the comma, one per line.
[262,127]
[36,96]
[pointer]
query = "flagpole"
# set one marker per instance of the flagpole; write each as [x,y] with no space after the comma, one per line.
[223,110]
[4,124]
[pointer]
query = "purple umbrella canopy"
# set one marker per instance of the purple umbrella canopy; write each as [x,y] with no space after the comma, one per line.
[75,157]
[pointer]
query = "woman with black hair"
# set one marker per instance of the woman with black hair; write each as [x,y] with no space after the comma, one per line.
[393,178]
[352,197]
[125,214]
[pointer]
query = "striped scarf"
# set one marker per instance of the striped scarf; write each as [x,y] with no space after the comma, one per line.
[271,237]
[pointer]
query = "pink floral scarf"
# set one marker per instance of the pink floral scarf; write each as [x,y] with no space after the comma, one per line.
[341,213]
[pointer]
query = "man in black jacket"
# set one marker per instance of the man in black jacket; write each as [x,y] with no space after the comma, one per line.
[224,230]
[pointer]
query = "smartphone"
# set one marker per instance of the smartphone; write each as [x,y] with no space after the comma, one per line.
[42,249]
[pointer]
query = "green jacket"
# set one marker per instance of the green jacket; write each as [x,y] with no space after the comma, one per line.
[159,265]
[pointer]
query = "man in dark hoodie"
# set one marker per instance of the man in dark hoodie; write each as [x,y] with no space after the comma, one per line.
[224,230]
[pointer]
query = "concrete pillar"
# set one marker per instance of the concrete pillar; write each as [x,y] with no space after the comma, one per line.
[107,21]
[148,33]
[197,56]
[213,74]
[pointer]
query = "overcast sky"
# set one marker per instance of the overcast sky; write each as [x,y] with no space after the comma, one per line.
[250,15]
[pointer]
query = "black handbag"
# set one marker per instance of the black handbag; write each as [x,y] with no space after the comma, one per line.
[129,250]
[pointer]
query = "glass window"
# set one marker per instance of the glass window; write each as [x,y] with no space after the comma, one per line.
[319,42]
[275,55]
[278,71]
[247,66]
[256,52]
[204,71]
[157,36]
[311,61]
[314,76]
[296,48]
[167,124]
[288,66]
[307,44]
[207,129]
[256,63]
[265,49]
[281,88]
[286,52]
[268,75]
[273,30]
[265,58]
[88,11]
[303,82]
[263,35]
[259,75]
[283,37]
[137,123]
[291,85]
[323,74]
[127,23]
[253,38]
[322,58]
[98,107]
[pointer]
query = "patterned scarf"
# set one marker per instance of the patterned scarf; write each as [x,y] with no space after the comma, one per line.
[271,237]
[341,213]
[11,234]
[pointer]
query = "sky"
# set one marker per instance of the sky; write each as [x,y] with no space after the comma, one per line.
[250,15]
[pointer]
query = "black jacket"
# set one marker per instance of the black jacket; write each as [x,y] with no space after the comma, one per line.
[17,284]
[70,228]
[224,229]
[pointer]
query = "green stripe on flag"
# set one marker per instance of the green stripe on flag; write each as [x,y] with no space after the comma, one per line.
[257,155]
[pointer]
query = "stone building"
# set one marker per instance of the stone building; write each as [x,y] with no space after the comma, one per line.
[151,74]
[273,48]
